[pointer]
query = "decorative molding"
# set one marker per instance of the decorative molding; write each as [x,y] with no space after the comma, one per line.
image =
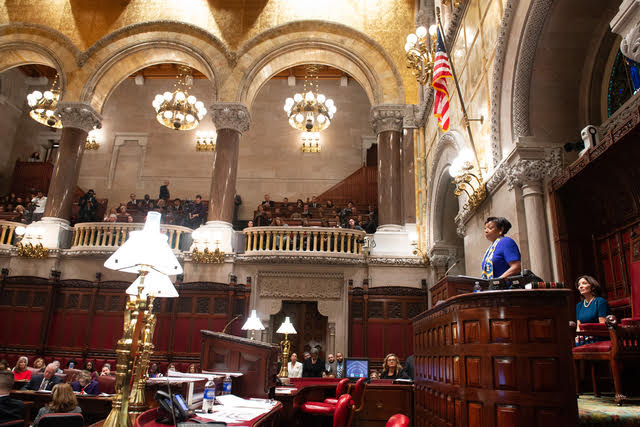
[426,15]
[526,171]
[79,115]
[299,259]
[298,285]
[621,116]
[141,140]
[524,67]
[387,117]
[410,120]
[397,261]
[230,115]
[389,290]
[627,24]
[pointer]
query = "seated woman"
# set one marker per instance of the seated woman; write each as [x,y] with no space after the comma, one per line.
[193,369]
[20,371]
[592,309]
[391,368]
[39,364]
[84,384]
[502,258]
[154,371]
[106,370]
[88,366]
[62,400]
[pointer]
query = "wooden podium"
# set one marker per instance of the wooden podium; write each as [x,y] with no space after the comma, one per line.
[450,286]
[256,360]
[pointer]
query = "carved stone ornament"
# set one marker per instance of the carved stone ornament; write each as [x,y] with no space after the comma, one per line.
[533,171]
[230,115]
[387,117]
[80,116]
[292,285]
[627,24]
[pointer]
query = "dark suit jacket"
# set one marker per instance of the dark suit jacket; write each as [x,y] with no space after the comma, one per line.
[407,370]
[35,382]
[11,409]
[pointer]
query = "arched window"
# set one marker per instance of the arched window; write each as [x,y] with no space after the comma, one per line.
[624,82]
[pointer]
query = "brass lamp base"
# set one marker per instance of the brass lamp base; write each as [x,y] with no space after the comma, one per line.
[285,345]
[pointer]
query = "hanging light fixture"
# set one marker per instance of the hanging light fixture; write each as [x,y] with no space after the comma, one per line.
[178,110]
[310,110]
[310,142]
[43,105]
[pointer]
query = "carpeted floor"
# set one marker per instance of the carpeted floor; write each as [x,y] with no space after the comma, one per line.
[603,411]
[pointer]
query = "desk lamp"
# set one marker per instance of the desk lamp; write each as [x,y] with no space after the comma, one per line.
[253,324]
[146,253]
[286,328]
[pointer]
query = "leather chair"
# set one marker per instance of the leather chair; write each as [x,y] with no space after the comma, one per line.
[357,394]
[398,420]
[623,345]
[106,384]
[341,388]
[61,420]
[344,411]
[325,408]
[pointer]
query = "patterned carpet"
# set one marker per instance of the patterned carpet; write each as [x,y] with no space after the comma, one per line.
[603,411]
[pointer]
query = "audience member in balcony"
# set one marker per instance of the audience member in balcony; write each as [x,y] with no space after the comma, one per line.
[88,206]
[12,198]
[123,215]
[106,370]
[10,409]
[391,368]
[352,225]
[249,224]
[63,401]
[314,202]
[285,203]
[197,213]
[592,309]
[154,371]
[193,369]
[313,367]
[369,225]
[112,216]
[132,203]
[146,200]
[4,365]
[20,371]
[151,206]
[267,202]
[306,212]
[20,214]
[294,367]
[84,384]
[39,364]
[34,157]
[299,204]
[164,191]
[40,202]
[46,380]
[329,204]
[261,219]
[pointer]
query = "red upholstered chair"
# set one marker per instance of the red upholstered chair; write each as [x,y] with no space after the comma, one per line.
[341,388]
[61,420]
[624,345]
[357,394]
[398,420]
[107,384]
[326,408]
[343,412]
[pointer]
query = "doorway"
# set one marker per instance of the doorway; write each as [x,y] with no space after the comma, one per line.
[310,325]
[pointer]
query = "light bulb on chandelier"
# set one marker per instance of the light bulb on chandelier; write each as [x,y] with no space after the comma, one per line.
[178,110]
[43,106]
[310,110]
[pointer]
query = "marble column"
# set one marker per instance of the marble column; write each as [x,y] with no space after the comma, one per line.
[77,120]
[231,121]
[408,178]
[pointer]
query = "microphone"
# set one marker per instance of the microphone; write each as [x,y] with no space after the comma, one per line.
[449,269]
[224,331]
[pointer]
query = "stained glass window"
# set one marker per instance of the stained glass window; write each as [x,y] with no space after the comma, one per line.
[624,82]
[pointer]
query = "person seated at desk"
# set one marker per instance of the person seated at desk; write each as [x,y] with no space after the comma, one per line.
[46,380]
[20,371]
[84,384]
[154,371]
[313,367]
[106,370]
[88,366]
[391,368]
[502,258]
[592,309]
[63,401]
[294,367]
[192,369]
[39,364]
[10,409]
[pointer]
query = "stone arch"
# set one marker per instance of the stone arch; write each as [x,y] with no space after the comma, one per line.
[112,59]
[320,42]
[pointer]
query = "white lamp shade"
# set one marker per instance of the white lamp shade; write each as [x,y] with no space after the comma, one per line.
[253,323]
[155,284]
[286,327]
[147,247]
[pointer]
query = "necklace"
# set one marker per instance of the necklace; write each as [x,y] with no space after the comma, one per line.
[587,304]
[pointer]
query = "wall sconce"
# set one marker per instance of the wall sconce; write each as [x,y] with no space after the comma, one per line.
[466,181]
[310,142]
[420,51]
[92,140]
[29,249]
[418,251]
[456,3]
[206,256]
[206,141]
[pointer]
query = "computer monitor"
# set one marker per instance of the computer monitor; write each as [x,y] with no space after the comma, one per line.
[357,367]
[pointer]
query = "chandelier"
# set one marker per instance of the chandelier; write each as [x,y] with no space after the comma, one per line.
[43,106]
[310,110]
[310,142]
[178,110]
[205,141]
[420,51]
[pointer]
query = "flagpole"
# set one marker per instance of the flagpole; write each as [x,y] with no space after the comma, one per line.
[465,117]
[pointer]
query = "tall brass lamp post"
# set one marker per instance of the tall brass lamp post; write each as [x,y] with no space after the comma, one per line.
[286,328]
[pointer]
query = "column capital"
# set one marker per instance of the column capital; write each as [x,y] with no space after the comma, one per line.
[529,172]
[626,23]
[79,115]
[230,115]
[387,117]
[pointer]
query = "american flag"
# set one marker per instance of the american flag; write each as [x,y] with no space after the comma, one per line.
[441,71]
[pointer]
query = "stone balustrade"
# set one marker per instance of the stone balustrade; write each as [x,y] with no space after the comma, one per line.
[8,231]
[113,234]
[320,240]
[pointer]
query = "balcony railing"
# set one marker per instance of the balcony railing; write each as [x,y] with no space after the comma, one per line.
[8,231]
[114,234]
[305,240]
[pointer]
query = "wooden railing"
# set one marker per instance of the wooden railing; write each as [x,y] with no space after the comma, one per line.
[8,231]
[114,234]
[303,240]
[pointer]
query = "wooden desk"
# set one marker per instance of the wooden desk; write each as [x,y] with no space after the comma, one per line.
[270,419]
[496,358]
[450,286]
[94,408]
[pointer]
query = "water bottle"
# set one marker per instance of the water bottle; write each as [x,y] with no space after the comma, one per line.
[477,287]
[209,397]
[226,385]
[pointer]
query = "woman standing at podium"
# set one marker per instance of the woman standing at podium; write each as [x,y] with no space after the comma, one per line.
[502,258]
